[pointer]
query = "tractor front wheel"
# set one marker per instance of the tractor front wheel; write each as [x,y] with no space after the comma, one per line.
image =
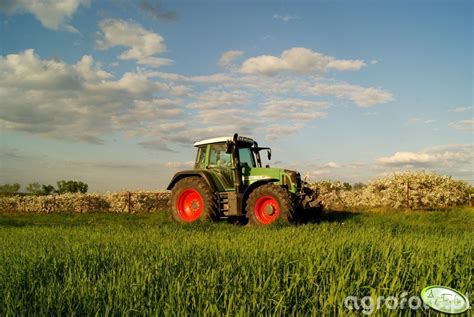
[267,204]
[192,200]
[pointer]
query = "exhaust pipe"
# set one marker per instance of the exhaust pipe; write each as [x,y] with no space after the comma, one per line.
[237,169]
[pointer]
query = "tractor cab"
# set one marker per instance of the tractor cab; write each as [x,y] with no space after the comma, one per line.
[249,152]
[227,158]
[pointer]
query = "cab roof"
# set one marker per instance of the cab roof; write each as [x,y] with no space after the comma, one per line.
[223,139]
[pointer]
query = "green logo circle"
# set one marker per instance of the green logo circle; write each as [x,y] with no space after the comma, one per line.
[445,300]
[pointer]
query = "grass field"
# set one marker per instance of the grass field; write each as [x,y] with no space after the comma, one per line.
[143,264]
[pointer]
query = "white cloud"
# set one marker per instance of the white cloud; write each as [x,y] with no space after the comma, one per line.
[324,169]
[466,125]
[355,172]
[420,120]
[293,109]
[143,44]
[144,111]
[276,131]
[460,109]
[409,158]
[266,85]
[52,14]
[229,121]
[219,78]
[202,125]
[285,18]
[228,57]
[300,60]
[217,99]
[452,159]
[335,170]
[222,113]
[279,85]
[189,134]
[226,106]
[156,145]
[331,165]
[153,61]
[434,157]
[227,113]
[361,96]
[77,102]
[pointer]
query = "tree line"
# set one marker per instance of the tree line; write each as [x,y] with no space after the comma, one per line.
[38,189]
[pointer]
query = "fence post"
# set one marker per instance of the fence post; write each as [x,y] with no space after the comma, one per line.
[129,201]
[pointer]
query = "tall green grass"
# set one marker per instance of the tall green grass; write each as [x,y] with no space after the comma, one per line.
[142,264]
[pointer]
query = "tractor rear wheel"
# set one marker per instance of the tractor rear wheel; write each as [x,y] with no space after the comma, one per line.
[192,200]
[267,204]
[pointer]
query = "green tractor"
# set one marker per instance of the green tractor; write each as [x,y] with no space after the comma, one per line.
[229,182]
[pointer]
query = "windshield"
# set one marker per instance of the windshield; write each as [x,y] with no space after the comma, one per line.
[246,157]
[218,156]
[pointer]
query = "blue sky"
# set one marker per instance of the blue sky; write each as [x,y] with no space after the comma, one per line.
[114,93]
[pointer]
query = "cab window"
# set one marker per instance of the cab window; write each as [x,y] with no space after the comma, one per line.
[218,156]
[246,157]
[201,158]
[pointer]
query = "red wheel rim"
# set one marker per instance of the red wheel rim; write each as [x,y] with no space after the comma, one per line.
[266,210]
[189,205]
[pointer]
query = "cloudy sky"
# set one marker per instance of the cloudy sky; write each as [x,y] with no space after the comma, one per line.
[113,93]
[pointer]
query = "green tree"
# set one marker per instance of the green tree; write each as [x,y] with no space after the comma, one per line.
[34,188]
[9,189]
[38,189]
[358,186]
[72,187]
[346,186]
[48,189]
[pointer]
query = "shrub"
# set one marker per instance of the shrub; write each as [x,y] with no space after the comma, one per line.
[121,202]
[409,190]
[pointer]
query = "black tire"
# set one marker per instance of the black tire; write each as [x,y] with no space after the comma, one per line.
[195,186]
[277,195]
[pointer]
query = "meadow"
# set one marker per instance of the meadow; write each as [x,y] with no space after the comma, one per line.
[143,264]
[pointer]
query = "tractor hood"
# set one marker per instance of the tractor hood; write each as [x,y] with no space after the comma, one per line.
[290,178]
[254,174]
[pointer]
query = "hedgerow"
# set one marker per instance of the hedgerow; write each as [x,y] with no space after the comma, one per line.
[410,190]
[120,202]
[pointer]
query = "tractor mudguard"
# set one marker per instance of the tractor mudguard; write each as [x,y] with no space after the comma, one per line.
[180,175]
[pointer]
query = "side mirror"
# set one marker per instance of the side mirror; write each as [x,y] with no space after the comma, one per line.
[228,147]
[269,154]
